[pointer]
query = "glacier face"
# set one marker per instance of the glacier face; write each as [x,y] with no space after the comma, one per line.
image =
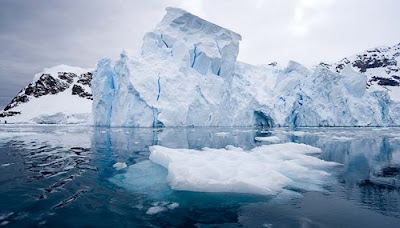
[320,97]
[187,75]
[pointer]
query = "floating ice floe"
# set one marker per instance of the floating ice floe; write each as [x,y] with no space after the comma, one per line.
[155,210]
[173,206]
[144,176]
[267,169]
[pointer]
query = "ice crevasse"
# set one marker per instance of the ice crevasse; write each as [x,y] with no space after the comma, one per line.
[188,75]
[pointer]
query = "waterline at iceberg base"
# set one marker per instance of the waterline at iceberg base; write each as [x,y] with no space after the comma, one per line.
[100,177]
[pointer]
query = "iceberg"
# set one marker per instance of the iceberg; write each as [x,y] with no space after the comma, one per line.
[266,170]
[182,78]
[271,139]
[187,74]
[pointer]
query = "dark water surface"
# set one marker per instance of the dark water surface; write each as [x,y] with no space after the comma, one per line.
[63,176]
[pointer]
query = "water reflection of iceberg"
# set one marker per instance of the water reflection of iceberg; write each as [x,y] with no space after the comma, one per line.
[368,185]
[371,165]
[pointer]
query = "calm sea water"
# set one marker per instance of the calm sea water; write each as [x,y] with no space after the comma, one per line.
[60,176]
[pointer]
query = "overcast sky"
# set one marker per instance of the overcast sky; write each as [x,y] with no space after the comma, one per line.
[35,34]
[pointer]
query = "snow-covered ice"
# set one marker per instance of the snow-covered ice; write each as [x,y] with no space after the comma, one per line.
[267,169]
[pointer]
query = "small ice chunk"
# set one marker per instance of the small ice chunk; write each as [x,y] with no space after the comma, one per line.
[120,165]
[222,133]
[298,133]
[230,147]
[341,138]
[155,210]
[144,176]
[265,132]
[172,206]
[272,139]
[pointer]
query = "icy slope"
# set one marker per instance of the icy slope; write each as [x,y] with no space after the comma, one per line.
[60,94]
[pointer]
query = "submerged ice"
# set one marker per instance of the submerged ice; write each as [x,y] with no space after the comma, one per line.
[188,75]
[267,169]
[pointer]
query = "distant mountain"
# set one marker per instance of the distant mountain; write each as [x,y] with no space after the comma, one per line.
[380,65]
[61,94]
